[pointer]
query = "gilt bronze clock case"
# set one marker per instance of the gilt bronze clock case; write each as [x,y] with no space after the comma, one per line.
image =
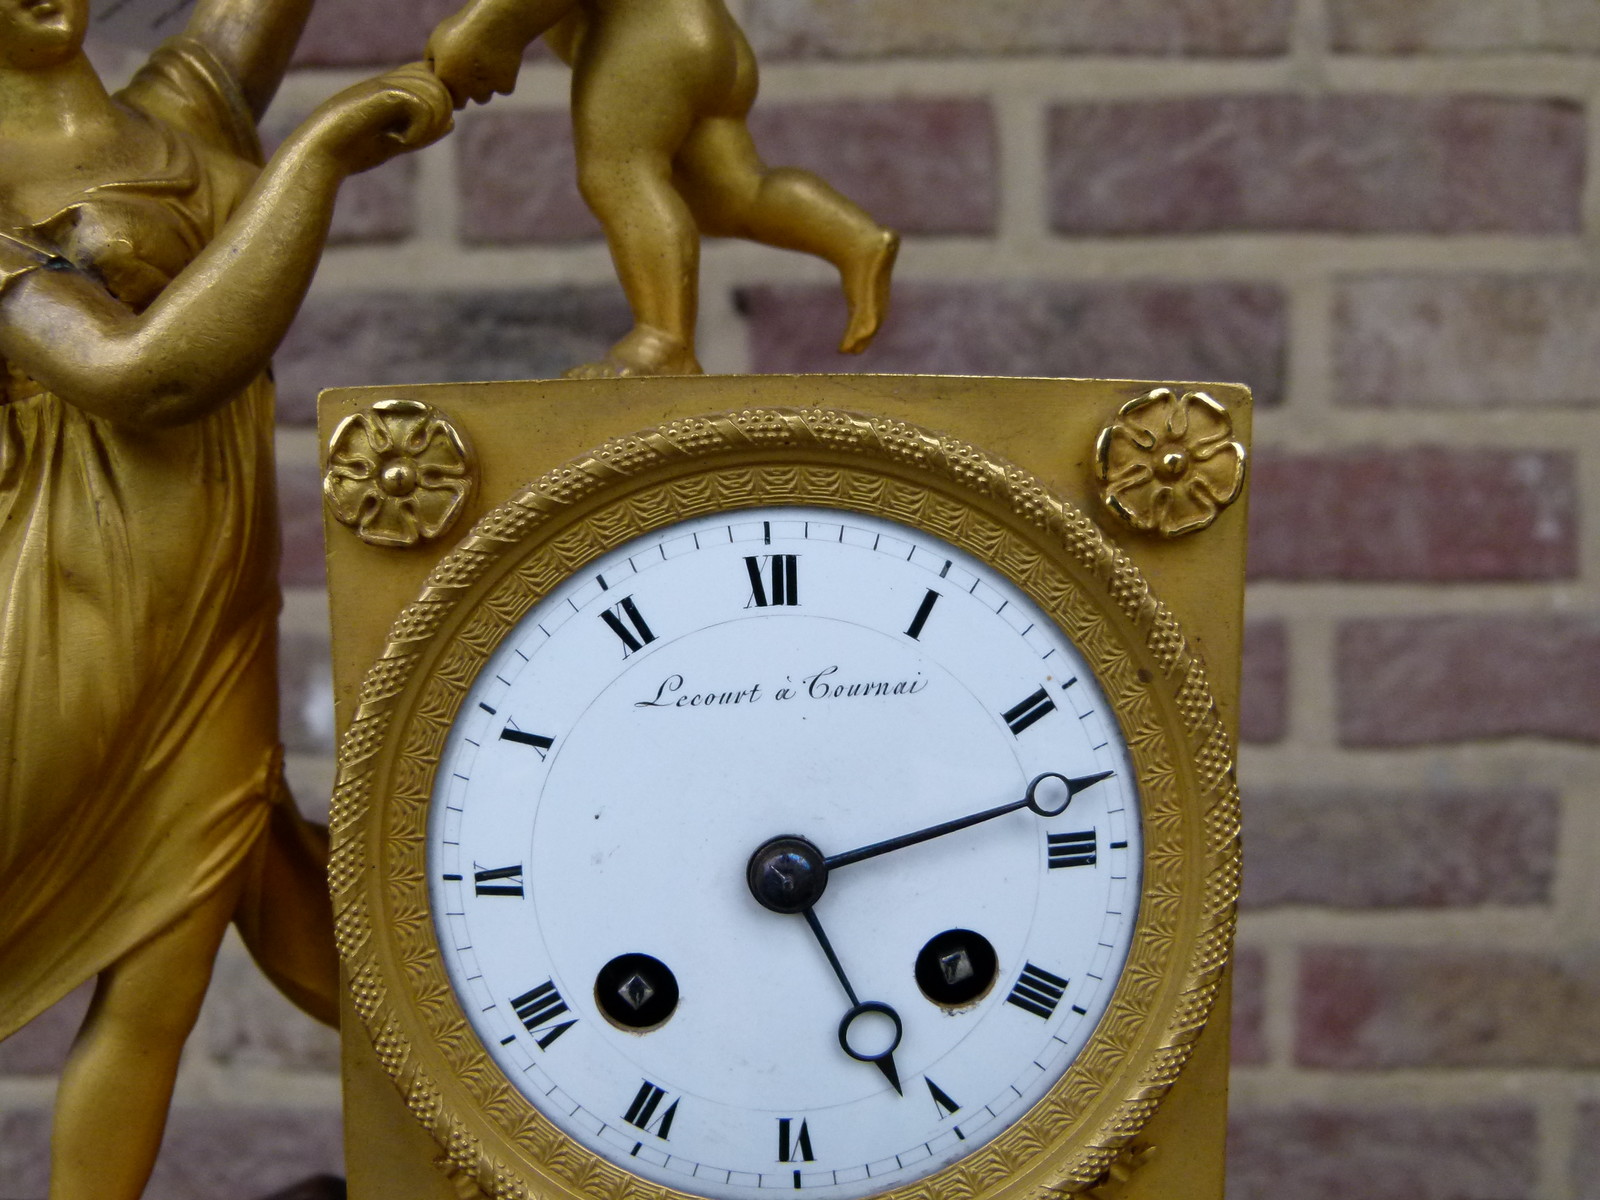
[530,484]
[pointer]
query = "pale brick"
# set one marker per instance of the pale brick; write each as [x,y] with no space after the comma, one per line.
[1420,26]
[1384,1153]
[1422,514]
[40,1047]
[826,29]
[1264,683]
[1410,681]
[351,339]
[1173,331]
[519,179]
[305,691]
[1249,1033]
[209,1154]
[1339,164]
[1366,1009]
[245,1152]
[375,33]
[300,513]
[1344,847]
[24,1154]
[246,1023]
[919,166]
[1586,1159]
[1480,341]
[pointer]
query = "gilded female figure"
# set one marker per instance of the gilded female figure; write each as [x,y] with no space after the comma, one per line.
[148,268]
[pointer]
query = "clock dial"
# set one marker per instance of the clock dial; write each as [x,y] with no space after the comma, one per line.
[784,848]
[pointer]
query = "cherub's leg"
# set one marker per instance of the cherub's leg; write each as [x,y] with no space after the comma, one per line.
[628,120]
[111,1106]
[733,194]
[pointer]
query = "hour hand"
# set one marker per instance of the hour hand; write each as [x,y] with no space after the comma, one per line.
[1048,795]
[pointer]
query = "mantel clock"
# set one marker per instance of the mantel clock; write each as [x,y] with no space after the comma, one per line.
[808,790]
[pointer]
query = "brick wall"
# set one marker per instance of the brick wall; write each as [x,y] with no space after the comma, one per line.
[1380,214]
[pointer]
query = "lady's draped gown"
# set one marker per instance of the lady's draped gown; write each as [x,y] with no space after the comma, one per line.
[139,759]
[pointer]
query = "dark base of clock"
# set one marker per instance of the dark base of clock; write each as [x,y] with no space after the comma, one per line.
[322,1187]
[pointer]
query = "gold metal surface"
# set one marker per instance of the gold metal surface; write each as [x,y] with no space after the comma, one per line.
[1071,1139]
[1169,463]
[148,267]
[660,95]
[398,473]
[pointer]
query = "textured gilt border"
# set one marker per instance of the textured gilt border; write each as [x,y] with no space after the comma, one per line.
[632,485]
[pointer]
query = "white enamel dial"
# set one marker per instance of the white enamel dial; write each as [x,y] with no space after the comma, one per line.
[609,895]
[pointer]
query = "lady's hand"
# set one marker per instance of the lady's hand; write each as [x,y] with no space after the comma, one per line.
[381,118]
[474,59]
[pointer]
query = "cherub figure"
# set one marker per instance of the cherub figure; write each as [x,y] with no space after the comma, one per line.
[149,266]
[661,90]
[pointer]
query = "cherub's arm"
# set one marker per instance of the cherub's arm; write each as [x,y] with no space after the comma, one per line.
[478,51]
[254,39]
[215,326]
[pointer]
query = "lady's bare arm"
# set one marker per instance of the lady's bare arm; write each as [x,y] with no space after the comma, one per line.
[254,39]
[215,327]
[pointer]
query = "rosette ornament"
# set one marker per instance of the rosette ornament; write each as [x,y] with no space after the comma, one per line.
[398,474]
[1169,464]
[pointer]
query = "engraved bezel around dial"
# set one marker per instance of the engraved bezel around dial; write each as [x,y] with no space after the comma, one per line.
[821,459]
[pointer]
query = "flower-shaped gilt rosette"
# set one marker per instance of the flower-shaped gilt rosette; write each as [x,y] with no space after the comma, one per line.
[398,474]
[1170,464]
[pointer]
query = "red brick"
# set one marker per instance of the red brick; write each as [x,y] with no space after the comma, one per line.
[1249,1041]
[1264,683]
[1411,681]
[939,28]
[40,1047]
[300,511]
[376,206]
[1341,164]
[1180,331]
[376,33]
[1476,341]
[305,690]
[441,337]
[1344,847]
[919,166]
[518,179]
[1325,1153]
[1586,1161]
[1415,1006]
[1384,27]
[1423,514]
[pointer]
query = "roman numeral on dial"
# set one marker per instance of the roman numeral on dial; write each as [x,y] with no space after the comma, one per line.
[498,881]
[519,737]
[627,622]
[774,580]
[646,1112]
[924,611]
[1030,710]
[540,1007]
[1071,849]
[794,1143]
[1037,991]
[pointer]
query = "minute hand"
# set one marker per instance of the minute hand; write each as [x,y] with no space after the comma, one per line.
[1030,800]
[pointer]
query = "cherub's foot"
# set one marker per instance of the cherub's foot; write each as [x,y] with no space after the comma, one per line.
[644,351]
[866,287]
